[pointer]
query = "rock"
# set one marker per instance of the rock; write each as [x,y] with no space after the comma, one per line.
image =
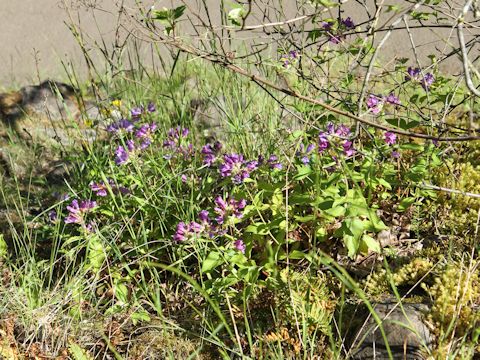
[49,113]
[406,332]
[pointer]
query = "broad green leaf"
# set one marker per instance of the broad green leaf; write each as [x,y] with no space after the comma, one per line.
[96,253]
[351,244]
[370,243]
[212,261]
[302,172]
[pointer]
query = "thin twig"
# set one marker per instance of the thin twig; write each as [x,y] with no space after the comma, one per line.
[461,40]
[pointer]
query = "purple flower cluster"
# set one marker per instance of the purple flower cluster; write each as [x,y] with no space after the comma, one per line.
[390,138]
[227,208]
[240,246]
[375,103]
[290,58]
[273,163]
[77,211]
[145,134]
[304,152]
[206,227]
[415,74]
[210,153]
[335,30]
[123,153]
[195,229]
[235,166]
[137,112]
[101,189]
[122,125]
[334,137]
[174,144]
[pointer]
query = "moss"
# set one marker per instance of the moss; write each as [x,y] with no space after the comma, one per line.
[164,344]
[378,282]
[456,297]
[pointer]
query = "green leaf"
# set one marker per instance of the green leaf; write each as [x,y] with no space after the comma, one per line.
[3,247]
[352,245]
[236,15]
[178,11]
[370,243]
[212,261]
[402,123]
[96,253]
[140,316]
[355,226]
[302,172]
[163,14]
[405,204]
[121,292]
[78,353]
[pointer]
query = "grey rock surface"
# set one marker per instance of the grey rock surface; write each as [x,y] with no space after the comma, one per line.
[405,329]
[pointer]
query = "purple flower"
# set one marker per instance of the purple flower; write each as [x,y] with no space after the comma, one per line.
[210,153]
[101,189]
[348,23]
[392,99]
[240,245]
[289,58]
[145,134]
[395,154]
[175,143]
[151,107]
[52,215]
[348,149]
[231,207]
[204,216]
[390,138]
[184,178]
[273,163]
[236,167]
[181,233]
[427,81]
[146,130]
[412,73]
[374,104]
[76,211]
[303,153]
[136,113]
[335,33]
[188,231]
[343,130]
[120,125]
[323,142]
[121,155]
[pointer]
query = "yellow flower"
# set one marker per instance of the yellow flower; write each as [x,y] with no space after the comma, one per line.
[117,103]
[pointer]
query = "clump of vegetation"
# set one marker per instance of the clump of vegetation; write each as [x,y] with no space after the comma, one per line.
[415,271]
[455,293]
[234,216]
